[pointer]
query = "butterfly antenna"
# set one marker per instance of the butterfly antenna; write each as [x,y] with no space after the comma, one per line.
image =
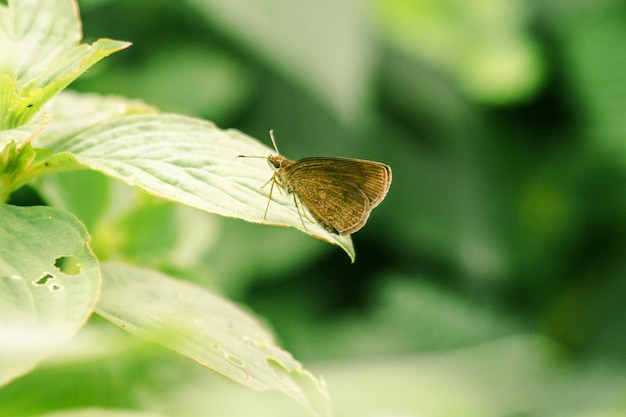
[254,156]
[274,141]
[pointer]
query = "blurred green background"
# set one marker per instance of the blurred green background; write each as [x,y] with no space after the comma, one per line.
[491,281]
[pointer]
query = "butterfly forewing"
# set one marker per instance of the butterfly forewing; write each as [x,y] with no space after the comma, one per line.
[340,193]
[373,178]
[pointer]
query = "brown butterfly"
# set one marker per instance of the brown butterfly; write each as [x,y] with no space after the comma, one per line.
[340,193]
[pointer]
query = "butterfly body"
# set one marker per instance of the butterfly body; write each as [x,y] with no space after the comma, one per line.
[340,193]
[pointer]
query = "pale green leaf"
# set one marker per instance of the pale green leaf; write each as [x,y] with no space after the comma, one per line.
[17,156]
[72,63]
[40,55]
[206,328]
[24,134]
[59,75]
[43,301]
[71,112]
[20,163]
[35,32]
[101,412]
[8,96]
[192,162]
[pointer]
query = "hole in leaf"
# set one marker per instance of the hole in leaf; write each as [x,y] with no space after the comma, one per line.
[235,360]
[68,265]
[43,280]
[54,287]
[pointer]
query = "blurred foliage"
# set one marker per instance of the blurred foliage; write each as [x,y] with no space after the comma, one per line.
[503,122]
[484,47]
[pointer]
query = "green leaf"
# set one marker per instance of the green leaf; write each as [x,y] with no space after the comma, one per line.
[40,55]
[17,156]
[71,112]
[59,75]
[206,328]
[192,162]
[8,96]
[67,190]
[125,223]
[24,134]
[43,302]
[101,412]
[34,33]
[149,232]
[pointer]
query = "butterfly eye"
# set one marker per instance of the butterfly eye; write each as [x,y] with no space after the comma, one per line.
[274,161]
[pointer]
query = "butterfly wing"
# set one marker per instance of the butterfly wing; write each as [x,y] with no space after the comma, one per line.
[373,178]
[340,193]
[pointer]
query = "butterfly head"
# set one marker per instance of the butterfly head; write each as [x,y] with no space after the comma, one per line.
[276,161]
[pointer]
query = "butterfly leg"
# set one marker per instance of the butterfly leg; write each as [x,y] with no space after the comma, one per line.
[269,199]
[267,182]
[295,200]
